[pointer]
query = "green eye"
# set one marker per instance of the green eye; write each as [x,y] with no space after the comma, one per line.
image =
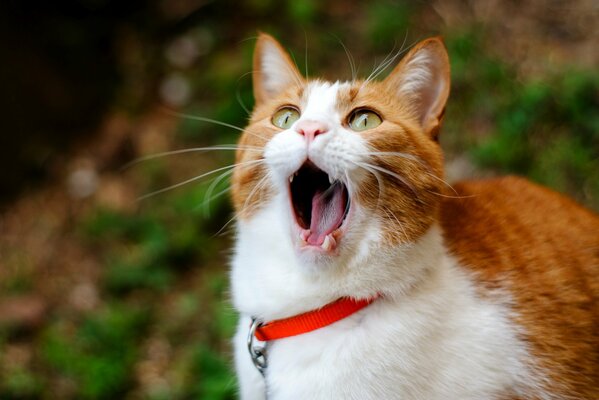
[285,117]
[361,120]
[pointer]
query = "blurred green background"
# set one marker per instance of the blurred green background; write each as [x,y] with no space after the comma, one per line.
[103,296]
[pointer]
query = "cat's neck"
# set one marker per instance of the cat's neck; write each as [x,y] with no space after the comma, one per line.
[270,282]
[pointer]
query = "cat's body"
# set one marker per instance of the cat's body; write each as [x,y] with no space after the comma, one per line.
[488,292]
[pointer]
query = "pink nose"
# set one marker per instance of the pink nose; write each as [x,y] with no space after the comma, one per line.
[310,129]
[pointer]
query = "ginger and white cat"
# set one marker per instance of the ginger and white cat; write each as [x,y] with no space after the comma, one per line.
[488,292]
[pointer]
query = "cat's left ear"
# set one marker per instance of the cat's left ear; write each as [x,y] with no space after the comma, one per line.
[274,71]
[422,79]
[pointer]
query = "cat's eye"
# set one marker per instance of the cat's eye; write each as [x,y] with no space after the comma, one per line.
[361,120]
[285,117]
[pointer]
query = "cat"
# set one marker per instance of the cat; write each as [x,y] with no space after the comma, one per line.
[484,290]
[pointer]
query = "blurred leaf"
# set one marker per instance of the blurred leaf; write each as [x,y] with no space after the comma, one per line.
[100,353]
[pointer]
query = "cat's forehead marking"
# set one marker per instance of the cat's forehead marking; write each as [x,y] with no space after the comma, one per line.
[347,95]
[321,99]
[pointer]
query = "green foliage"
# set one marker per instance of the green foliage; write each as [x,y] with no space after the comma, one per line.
[387,22]
[99,353]
[20,383]
[214,380]
[547,130]
[303,11]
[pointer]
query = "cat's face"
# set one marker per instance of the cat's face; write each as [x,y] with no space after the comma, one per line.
[355,163]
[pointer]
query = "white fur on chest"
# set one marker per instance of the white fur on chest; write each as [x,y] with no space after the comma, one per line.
[434,339]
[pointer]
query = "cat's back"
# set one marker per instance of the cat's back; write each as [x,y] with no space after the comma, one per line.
[540,249]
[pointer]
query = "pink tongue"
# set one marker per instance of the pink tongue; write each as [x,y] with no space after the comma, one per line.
[327,213]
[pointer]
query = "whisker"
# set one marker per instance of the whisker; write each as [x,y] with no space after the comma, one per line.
[256,189]
[393,153]
[212,121]
[450,196]
[391,60]
[240,101]
[375,69]
[297,79]
[384,64]
[238,94]
[350,58]
[350,191]
[233,218]
[399,225]
[245,206]
[306,53]
[380,182]
[393,174]
[208,196]
[196,178]
[207,201]
[189,150]
[388,60]
[444,182]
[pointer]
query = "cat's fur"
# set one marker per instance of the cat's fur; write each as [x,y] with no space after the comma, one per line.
[488,292]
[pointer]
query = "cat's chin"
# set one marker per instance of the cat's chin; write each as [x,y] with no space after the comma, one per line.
[316,260]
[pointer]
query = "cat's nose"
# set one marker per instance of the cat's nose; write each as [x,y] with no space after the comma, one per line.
[310,129]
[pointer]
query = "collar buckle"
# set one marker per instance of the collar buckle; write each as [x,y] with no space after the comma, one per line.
[257,352]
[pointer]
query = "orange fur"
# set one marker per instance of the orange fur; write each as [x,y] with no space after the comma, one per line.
[543,249]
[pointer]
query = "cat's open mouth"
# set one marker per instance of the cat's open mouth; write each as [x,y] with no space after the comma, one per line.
[320,205]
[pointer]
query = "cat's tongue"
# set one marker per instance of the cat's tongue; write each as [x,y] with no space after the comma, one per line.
[328,208]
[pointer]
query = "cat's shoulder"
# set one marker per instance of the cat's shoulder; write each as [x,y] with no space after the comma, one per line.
[511,226]
[513,206]
[541,250]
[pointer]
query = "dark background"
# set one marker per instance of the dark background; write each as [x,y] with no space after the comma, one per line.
[103,295]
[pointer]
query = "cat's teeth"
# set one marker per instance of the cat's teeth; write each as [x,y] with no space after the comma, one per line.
[296,173]
[329,243]
[331,180]
[304,236]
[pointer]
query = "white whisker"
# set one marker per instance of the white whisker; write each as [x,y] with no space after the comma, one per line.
[444,182]
[241,103]
[208,196]
[260,183]
[306,53]
[393,174]
[447,196]
[255,189]
[393,153]
[350,59]
[380,182]
[293,73]
[190,150]
[388,60]
[399,225]
[213,121]
[196,178]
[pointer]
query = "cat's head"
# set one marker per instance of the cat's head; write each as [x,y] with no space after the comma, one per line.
[349,167]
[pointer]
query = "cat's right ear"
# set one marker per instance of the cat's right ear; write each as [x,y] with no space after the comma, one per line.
[422,79]
[273,71]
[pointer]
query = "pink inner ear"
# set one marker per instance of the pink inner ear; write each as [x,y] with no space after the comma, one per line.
[423,80]
[274,70]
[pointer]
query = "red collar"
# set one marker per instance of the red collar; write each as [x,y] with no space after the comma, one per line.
[311,320]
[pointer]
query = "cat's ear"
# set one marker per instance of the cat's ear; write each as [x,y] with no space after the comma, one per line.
[422,79]
[273,69]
